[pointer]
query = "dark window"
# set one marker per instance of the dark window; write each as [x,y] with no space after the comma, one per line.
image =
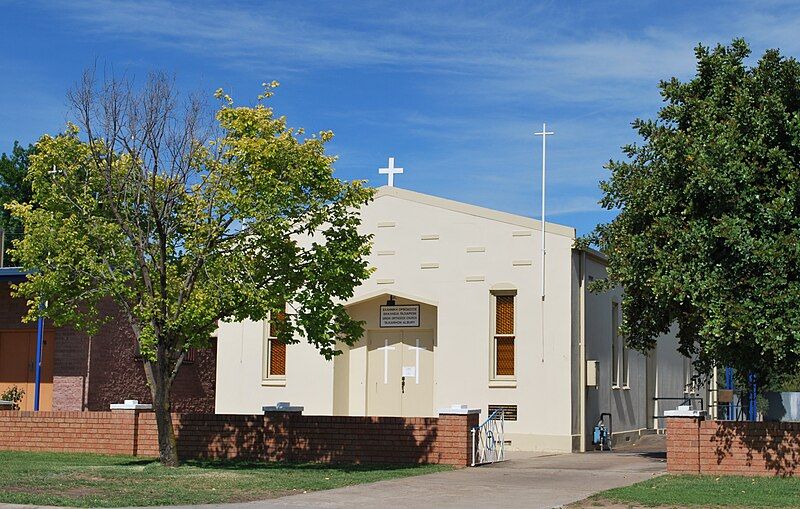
[277,358]
[191,356]
[510,411]
[504,335]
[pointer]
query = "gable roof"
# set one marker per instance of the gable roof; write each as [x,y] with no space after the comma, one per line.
[473,210]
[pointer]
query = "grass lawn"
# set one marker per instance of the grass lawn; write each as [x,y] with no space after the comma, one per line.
[91,480]
[699,491]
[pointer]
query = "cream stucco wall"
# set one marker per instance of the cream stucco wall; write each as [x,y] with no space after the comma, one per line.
[475,253]
[448,256]
[240,385]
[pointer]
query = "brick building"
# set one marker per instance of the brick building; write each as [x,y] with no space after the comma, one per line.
[80,372]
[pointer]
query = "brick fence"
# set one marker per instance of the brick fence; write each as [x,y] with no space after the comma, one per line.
[276,437]
[699,446]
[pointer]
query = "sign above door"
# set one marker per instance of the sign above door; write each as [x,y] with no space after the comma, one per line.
[406,315]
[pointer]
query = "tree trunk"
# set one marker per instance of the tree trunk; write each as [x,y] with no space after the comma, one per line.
[160,385]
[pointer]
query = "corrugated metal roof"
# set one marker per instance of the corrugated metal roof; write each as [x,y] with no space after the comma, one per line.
[12,273]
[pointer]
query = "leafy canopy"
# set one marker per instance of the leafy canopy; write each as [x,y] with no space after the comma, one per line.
[182,229]
[708,234]
[13,187]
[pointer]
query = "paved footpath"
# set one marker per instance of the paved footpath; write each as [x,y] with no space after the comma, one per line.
[525,481]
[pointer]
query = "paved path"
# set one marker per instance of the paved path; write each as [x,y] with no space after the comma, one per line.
[539,482]
[525,481]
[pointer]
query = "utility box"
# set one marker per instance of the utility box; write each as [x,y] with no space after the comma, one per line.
[592,373]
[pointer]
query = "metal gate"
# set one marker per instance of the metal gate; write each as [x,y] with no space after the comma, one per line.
[488,439]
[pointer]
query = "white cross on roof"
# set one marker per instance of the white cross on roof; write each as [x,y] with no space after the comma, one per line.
[391,171]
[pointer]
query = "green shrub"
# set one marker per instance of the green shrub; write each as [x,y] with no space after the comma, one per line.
[13,394]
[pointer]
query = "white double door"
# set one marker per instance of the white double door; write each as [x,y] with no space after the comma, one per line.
[400,373]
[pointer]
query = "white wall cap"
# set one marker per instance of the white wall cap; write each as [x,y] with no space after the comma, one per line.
[684,411]
[458,410]
[130,404]
[282,406]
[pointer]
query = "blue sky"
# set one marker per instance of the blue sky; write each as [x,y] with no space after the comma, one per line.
[452,90]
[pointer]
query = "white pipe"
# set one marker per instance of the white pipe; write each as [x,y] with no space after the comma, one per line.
[582,339]
[713,393]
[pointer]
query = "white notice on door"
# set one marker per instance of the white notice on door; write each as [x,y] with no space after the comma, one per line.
[410,371]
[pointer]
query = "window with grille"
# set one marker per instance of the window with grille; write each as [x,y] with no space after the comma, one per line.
[503,337]
[615,369]
[509,411]
[274,349]
[620,368]
[191,356]
[626,370]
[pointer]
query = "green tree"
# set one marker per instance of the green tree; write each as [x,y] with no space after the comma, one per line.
[13,187]
[708,233]
[184,222]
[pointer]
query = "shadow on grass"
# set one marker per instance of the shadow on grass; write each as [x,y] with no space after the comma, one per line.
[261,465]
[137,462]
[220,464]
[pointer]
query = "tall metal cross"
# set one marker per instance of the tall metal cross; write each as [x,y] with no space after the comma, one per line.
[391,171]
[386,349]
[544,134]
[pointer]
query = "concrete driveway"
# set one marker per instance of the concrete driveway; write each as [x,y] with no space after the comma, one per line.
[524,481]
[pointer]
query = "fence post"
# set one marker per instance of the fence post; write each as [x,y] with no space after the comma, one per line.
[473,430]
[455,426]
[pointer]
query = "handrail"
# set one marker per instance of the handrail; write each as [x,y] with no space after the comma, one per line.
[490,418]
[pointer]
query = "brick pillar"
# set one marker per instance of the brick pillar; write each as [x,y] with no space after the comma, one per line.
[282,443]
[129,412]
[683,445]
[454,435]
[126,423]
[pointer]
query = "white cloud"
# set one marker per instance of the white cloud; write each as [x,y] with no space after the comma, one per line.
[588,69]
[509,51]
[573,204]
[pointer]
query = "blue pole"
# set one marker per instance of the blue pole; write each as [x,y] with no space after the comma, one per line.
[729,386]
[39,344]
[753,396]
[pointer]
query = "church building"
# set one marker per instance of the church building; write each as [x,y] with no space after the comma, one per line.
[463,308]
